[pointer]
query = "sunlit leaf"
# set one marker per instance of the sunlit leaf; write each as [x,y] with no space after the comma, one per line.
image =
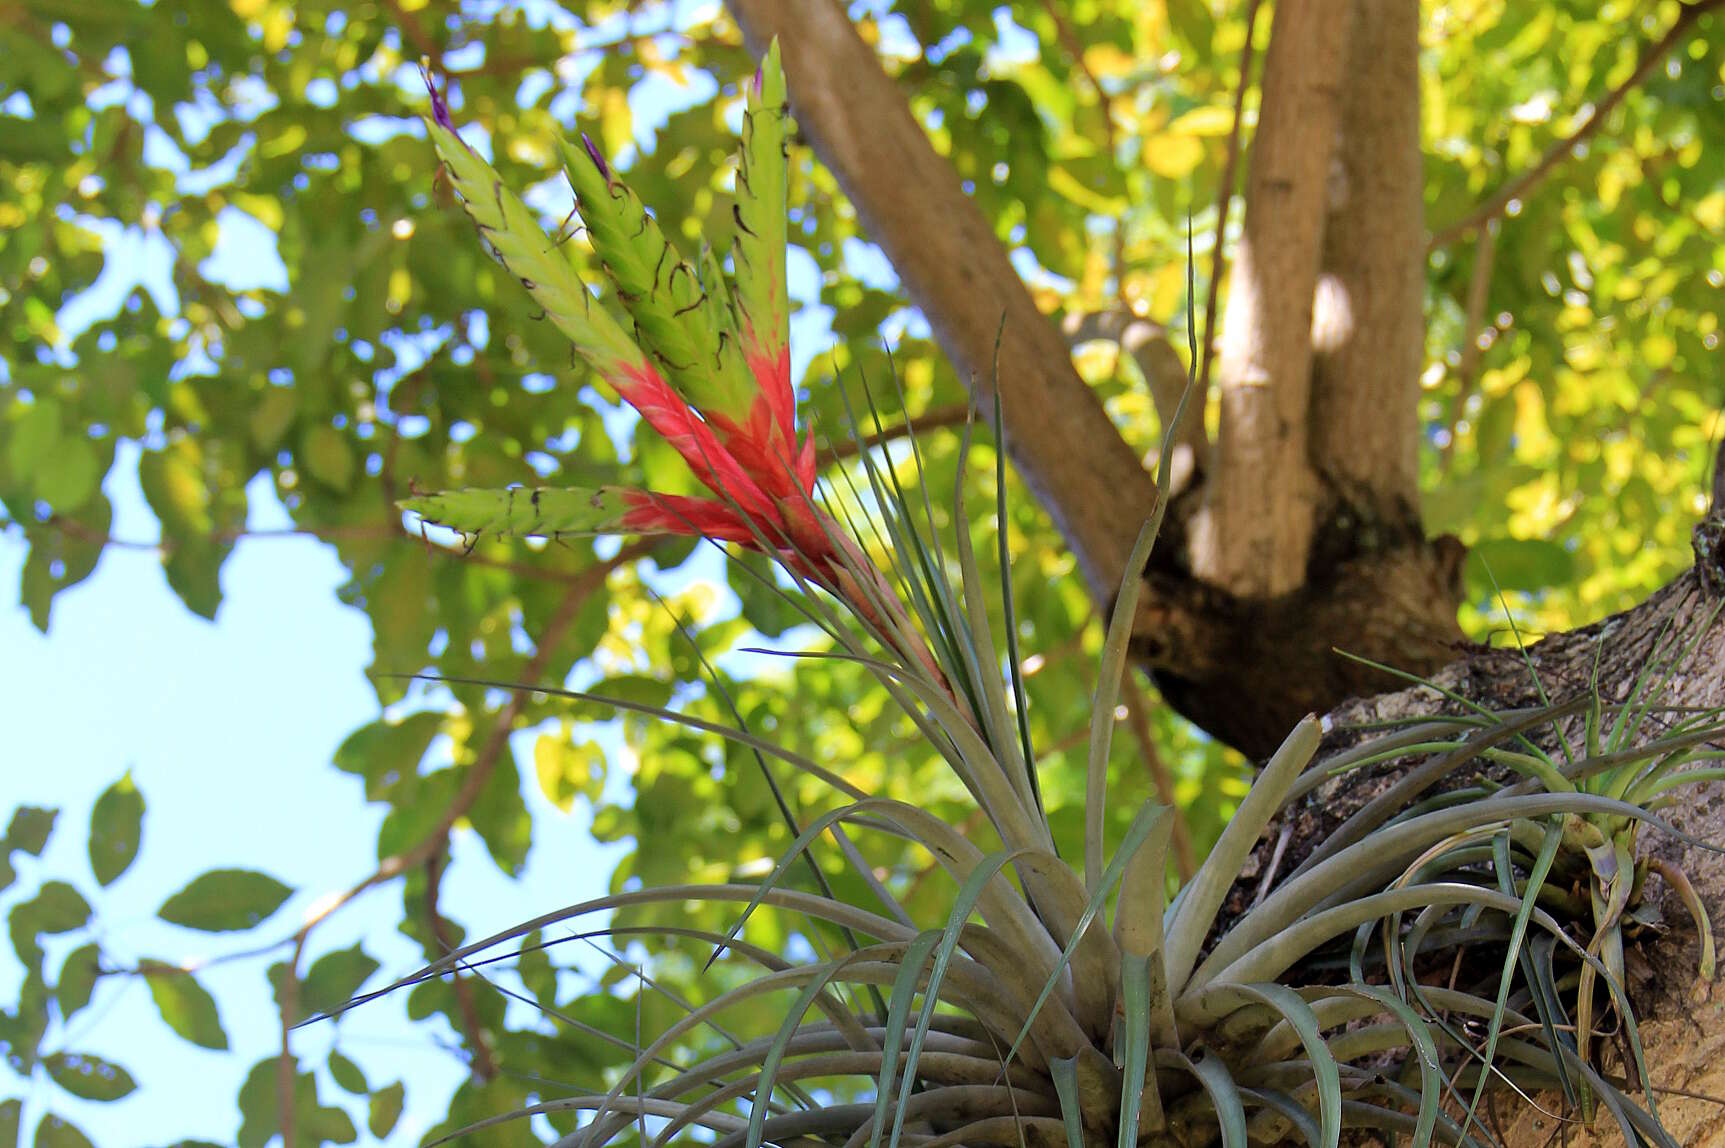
[116,827]
[186,1007]
[89,1077]
[225,900]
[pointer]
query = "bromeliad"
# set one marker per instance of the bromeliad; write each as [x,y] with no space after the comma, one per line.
[707,367]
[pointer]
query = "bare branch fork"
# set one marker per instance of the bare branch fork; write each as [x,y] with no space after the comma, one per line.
[1164,374]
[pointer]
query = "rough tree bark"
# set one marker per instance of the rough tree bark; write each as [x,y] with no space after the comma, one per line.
[1299,534]
[1682,1018]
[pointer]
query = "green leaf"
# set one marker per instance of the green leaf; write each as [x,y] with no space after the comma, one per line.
[116,825]
[567,769]
[77,981]
[768,609]
[536,971]
[29,829]
[56,908]
[187,1007]
[540,512]
[22,1029]
[386,753]
[260,1110]
[272,416]
[1518,564]
[225,900]
[68,477]
[11,1112]
[1192,21]
[334,979]
[89,1077]
[56,1132]
[500,817]
[58,561]
[386,1109]
[35,436]
[188,490]
[347,1074]
[327,456]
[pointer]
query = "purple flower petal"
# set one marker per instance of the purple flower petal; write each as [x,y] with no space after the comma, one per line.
[598,160]
[439,109]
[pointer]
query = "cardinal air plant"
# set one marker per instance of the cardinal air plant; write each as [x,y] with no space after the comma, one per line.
[1064,1001]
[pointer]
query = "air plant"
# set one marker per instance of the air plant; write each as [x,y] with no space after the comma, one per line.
[1065,1002]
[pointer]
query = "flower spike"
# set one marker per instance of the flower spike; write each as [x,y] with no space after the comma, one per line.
[708,368]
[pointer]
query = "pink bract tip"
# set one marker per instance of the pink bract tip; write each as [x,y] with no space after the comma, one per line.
[439,108]
[598,160]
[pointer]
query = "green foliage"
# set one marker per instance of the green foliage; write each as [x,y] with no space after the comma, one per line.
[90,1077]
[116,828]
[186,1007]
[400,354]
[225,900]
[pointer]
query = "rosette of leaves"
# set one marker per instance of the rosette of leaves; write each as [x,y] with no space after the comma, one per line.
[1444,939]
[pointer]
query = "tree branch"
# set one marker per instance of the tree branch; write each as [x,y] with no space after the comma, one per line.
[1147,343]
[1368,323]
[497,741]
[956,270]
[1074,47]
[286,1065]
[1138,717]
[1518,188]
[1467,373]
[484,1066]
[1254,532]
[957,414]
[1225,202]
[484,762]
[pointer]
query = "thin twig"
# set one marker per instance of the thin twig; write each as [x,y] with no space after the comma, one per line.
[1138,715]
[1224,202]
[1074,47]
[1467,373]
[1517,188]
[947,416]
[484,1064]
[286,1066]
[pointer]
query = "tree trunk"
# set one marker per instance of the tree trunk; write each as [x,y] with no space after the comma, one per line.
[1682,1017]
[1253,534]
